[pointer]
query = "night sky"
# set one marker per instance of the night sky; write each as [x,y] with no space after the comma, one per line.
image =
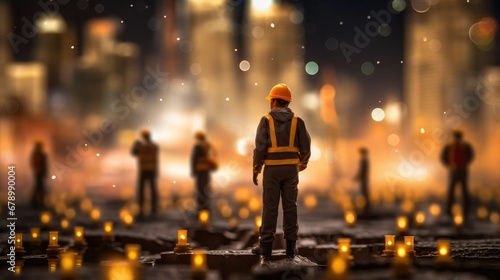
[323,20]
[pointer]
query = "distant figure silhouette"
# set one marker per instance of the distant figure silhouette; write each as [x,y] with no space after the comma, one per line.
[363,176]
[147,155]
[202,162]
[456,156]
[38,163]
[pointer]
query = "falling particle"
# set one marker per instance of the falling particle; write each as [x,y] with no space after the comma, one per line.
[114,186]
[85,144]
[396,151]
[256,84]
[272,25]
[131,5]
[149,121]
[379,101]
[368,17]
[272,58]
[182,84]
[341,23]
[161,99]
[422,130]
[175,182]
[424,39]
[227,98]
[147,6]
[98,154]
[235,50]
[121,21]
[53,177]
[444,113]
[303,47]
[178,39]
[72,47]
[401,62]
[378,62]
[164,16]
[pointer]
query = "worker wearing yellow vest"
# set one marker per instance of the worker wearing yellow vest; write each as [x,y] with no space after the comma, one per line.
[283,145]
[146,152]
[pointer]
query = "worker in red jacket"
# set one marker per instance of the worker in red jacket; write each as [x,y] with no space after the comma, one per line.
[283,145]
[457,156]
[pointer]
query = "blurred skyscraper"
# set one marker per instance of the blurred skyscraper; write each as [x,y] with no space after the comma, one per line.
[274,37]
[441,60]
[4,49]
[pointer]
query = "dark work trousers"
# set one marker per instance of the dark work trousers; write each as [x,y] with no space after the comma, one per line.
[37,200]
[364,192]
[149,176]
[203,190]
[458,176]
[279,181]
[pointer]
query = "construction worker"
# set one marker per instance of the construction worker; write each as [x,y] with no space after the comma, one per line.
[457,156]
[147,154]
[38,163]
[283,145]
[362,177]
[202,162]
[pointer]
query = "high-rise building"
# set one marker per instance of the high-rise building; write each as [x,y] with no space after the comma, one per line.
[27,85]
[211,61]
[275,48]
[440,61]
[4,48]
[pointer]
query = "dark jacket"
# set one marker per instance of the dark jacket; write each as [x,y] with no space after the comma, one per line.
[39,162]
[282,121]
[457,155]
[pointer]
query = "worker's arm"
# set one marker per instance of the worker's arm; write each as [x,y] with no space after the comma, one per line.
[304,144]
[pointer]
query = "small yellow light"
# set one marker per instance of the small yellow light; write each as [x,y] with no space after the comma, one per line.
[402,223]
[199,262]
[19,240]
[132,251]
[203,218]
[400,249]
[344,247]
[78,235]
[350,217]
[128,220]
[389,242]
[182,237]
[337,265]
[108,228]
[458,220]
[233,222]
[244,213]
[258,223]
[409,242]
[64,224]
[35,234]
[95,215]
[68,260]
[420,218]
[443,246]
[435,209]
[53,238]
[45,218]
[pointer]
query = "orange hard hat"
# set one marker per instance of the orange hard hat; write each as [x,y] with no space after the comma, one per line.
[280,91]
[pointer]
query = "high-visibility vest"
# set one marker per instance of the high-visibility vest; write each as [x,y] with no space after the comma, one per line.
[283,155]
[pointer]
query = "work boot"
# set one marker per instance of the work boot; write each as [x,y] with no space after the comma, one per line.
[256,249]
[266,250]
[291,250]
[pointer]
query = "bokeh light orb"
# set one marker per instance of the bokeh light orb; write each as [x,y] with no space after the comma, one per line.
[393,139]
[398,5]
[421,6]
[312,68]
[367,68]
[244,65]
[378,114]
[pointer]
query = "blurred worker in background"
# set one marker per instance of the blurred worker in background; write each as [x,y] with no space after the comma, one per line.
[202,162]
[457,156]
[38,162]
[146,152]
[363,176]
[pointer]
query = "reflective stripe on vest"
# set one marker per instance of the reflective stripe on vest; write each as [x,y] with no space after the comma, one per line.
[284,149]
